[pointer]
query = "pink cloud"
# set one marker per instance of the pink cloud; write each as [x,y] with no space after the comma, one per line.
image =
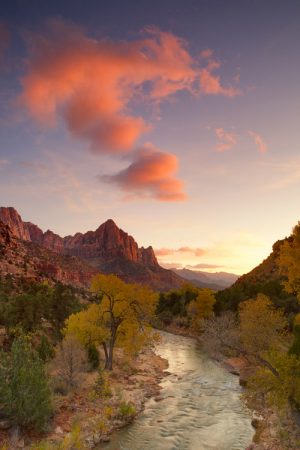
[161,252]
[150,175]
[92,83]
[210,84]
[260,143]
[3,162]
[226,140]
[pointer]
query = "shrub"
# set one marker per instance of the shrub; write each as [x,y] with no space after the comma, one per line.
[101,388]
[93,356]
[45,349]
[126,409]
[69,363]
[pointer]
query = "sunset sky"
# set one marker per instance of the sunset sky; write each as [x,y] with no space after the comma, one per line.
[177,119]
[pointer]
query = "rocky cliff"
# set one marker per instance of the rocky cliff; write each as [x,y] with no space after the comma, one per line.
[25,259]
[12,218]
[108,249]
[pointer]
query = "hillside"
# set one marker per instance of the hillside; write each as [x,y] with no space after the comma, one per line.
[264,278]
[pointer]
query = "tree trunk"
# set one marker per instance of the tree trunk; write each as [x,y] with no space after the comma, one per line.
[110,357]
[105,354]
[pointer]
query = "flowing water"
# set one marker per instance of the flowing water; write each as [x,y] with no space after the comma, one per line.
[201,407]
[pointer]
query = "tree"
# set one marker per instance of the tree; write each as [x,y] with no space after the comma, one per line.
[62,303]
[70,362]
[27,309]
[24,390]
[123,307]
[295,347]
[262,326]
[201,308]
[220,334]
[87,326]
[283,389]
[289,262]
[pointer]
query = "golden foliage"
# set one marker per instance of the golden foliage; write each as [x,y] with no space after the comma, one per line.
[289,262]
[261,325]
[201,308]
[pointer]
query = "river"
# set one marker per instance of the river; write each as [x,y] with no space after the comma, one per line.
[201,407]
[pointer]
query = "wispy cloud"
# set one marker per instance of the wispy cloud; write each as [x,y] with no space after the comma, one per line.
[203,266]
[261,145]
[150,175]
[226,140]
[286,173]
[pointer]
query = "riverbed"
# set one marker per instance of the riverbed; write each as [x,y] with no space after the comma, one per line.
[200,409]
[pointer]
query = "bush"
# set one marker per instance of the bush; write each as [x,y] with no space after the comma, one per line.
[24,390]
[126,410]
[101,388]
[45,349]
[93,356]
[69,363]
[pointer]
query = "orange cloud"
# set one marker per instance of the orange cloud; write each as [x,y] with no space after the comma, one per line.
[260,143]
[210,84]
[226,140]
[150,175]
[92,83]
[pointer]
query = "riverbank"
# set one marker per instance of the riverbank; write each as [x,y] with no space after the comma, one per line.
[79,416]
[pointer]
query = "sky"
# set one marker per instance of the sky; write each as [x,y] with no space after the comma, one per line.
[177,119]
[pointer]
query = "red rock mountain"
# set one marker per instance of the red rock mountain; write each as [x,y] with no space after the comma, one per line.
[24,259]
[108,249]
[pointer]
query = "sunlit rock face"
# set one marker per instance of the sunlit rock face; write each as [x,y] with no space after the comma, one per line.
[11,217]
[107,249]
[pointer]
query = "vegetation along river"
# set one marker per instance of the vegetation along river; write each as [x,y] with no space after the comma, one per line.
[201,407]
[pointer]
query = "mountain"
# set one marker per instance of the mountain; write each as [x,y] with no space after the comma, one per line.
[24,259]
[215,281]
[107,249]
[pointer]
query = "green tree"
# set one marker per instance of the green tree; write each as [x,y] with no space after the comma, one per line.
[25,394]
[62,303]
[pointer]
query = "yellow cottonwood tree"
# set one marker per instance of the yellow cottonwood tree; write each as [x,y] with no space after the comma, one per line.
[261,325]
[201,308]
[121,318]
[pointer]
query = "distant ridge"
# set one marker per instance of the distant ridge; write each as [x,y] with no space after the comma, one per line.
[216,281]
